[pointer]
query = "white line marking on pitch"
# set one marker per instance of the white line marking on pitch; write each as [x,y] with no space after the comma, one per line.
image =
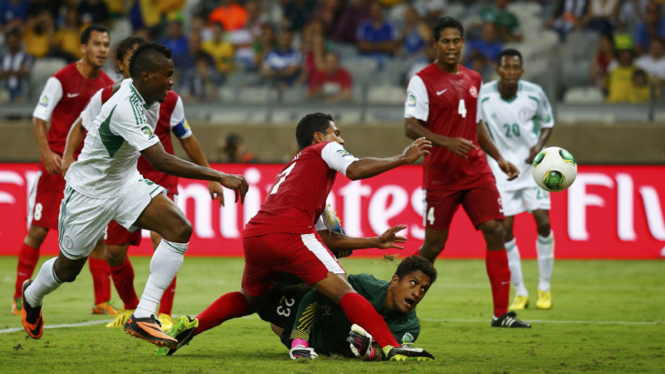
[91,323]
[553,321]
[87,323]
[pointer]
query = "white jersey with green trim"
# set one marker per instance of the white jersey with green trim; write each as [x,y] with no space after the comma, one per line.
[515,128]
[123,128]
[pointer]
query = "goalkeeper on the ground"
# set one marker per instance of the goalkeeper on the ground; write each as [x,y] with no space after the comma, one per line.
[309,323]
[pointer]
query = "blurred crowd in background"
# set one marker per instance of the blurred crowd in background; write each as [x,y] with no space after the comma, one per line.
[322,48]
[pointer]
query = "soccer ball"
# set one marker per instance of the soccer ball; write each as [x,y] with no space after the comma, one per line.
[554,169]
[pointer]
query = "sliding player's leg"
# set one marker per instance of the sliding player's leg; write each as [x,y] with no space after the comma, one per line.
[101,280]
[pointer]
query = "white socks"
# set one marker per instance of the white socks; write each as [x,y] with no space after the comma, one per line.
[545,249]
[164,266]
[45,283]
[515,265]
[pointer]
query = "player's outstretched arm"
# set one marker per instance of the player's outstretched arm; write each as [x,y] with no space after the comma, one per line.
[193,149]
[369,166]
[74,138]
[414,129]
[169,164]
[337,242]
[486,143]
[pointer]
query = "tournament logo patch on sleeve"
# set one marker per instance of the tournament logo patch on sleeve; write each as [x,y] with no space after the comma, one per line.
[411,100]
[43,101]
[147,132]
[344,153]
[408,339]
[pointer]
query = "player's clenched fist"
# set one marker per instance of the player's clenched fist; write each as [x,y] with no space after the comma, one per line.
[236,183]
[418,148]
[460,146]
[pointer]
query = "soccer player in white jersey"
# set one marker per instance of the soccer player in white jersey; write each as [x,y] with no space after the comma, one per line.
[104,185]
[519,118]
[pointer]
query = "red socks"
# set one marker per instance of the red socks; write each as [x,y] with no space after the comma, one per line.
[499,274]
[101,280]
[27,261]
[359,311]
[231,305]
[123,279]
[166,305]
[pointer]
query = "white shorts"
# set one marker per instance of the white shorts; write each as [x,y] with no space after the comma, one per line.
[83,219]
[524,200]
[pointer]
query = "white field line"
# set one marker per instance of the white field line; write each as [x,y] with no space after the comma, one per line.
[66,325]
[91,323]
[552,321]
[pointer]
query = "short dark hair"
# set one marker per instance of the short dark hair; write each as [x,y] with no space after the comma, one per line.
[415,263]
[509,53]
[85,35]
[146,57]
[126,45]
[310,124]
[446,23]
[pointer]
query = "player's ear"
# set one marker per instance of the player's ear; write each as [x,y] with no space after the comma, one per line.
[394,280]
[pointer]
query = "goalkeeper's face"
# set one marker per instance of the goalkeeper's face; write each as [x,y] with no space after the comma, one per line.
[404,294]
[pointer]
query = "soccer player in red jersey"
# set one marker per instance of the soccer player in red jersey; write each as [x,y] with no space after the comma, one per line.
[65,95]
[282,236]
[442,106]
[118,239]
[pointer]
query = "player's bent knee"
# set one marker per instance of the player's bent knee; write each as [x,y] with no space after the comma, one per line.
[494,234]
[115,254]
[180,232]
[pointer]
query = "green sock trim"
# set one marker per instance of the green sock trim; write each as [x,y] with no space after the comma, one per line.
[546,241]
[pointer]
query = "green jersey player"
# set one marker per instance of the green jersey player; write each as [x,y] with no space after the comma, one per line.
[321,327]
[520,120]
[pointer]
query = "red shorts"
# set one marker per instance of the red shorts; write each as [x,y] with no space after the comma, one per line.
[482,203]
[45,198]
[118,235]
[303,255]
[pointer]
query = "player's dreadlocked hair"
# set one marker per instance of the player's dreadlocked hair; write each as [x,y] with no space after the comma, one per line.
[126,45]
[147,57]
[446,23]
[310,124]
[414,263]
[509,53]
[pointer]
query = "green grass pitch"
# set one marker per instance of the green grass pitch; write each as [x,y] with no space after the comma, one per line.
[607,317]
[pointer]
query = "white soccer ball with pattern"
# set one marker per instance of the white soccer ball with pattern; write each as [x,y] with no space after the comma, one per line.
[554,169]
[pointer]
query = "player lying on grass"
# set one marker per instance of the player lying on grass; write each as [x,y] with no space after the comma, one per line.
[104,185]
[284,297]
[118,239]
[321,327]
[281,237]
